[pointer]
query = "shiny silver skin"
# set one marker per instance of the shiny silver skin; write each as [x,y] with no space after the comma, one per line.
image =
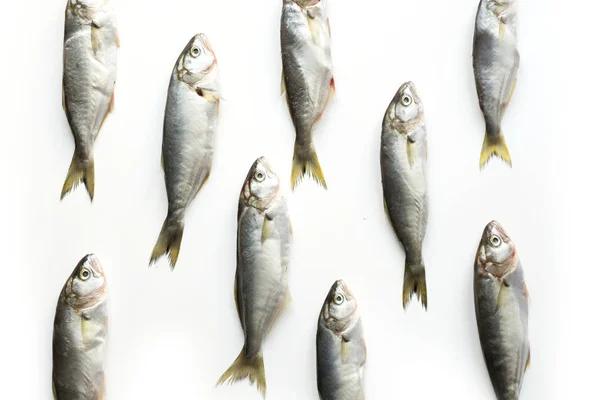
[495,63]
[80,329]
[307,77]
[502,309]
[403,163]
[188,137]
[89,75]
[341,349]
[263,255]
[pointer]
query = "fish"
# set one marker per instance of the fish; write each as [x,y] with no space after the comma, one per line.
[90,48]
[264,237]
[495,63]
[80,331]
[307,78]
[191,117]
[341,348]
[403,161]
[502,310]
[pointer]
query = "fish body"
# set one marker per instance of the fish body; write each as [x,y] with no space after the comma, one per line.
[307,77]
[495,62]
[403,162]
[188,138]
[263,255]
[89,75]
[501,306]
[341,349]
[79,339]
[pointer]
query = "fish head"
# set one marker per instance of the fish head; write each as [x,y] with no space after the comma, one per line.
[197,61]
[87,285]
[497,254]
[339,308]
[406,106]
[261,185]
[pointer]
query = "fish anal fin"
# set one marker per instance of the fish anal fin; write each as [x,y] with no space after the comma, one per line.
[285,302]
[237,297]
[282,89]
[203,181]
[329,26]
[528,362]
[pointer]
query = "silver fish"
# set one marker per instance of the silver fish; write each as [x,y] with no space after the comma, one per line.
[80,329]
[89,74]
[341,349]
[495,62]
[403,161]
[188,138]
[502,309]
[263,255]
[307,78]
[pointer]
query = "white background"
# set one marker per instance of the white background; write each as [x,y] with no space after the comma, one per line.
[172,334]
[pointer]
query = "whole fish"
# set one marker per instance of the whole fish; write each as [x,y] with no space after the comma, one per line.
[263,254]
[188,138]
[341,349]
[80,329]
[403,161]
[89,75]
[501,306]
[307,78]
[495,62]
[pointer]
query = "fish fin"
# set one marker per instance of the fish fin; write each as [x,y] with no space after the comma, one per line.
[500,299]
[528,362]
[94,37]
[117,39]
[267,228]
[410,153]
[290,225]
[64,101]
[237,297]
[79,171]
[344,348]
[306,163]
[244,367]
[162,161]
[414,283]
[329,26]
[330,96]
[109,110]
[169,242]
[285,302]
[387,211]
[203,182]
[501,29]
[282,83]
[494,147]
[102,392]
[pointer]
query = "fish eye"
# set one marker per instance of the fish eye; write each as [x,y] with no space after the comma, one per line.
[495,241]
[195,51]
[84,274]
[338,299]
[406,100]
[260,176]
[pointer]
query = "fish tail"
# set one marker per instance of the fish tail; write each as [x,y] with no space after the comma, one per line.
[306,162]
[79,171]
[243,367]
[169,242]
[494,146]
[414,283]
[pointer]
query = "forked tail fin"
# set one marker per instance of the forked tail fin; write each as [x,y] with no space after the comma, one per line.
[243,367]
[414,283]
[306,162]
[169,242]
[79,171]
[494,146]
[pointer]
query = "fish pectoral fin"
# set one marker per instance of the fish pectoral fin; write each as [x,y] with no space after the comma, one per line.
[267,228]
[501,294]
[345,346]
[410,152]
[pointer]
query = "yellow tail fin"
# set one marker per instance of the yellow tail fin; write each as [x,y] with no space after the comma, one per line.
[414,283]
[306,163]
[79,171]
[169,242]
[244,367]
[495,146]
